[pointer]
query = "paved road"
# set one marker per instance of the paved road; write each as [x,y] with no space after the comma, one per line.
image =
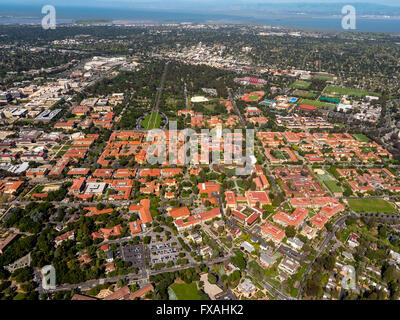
[87,285]
[278,294]
[160,88]
[242,122]
[293,254]
[323,246]
[215,238]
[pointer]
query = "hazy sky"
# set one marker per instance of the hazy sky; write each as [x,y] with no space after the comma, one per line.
[169,3]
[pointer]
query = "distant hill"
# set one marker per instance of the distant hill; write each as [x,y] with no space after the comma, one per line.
[325,8]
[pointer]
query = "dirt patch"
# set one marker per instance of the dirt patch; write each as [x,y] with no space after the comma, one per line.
[211,289]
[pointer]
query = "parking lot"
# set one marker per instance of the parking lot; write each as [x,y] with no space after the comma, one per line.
[163,253]
[133,254]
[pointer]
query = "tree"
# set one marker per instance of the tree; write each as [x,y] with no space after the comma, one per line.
[239,261]
[121,283]
[313,288]
[211,278]
[147,239]
[23,275]
[290,231]
[329,226]
[4,274]
[391,274]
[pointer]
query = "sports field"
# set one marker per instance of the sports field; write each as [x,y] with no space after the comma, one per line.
[371,205]
[305,94]
[300,85]
[350,92]
[184,292]
[361,138]
[318,104]
[323,76]
[254,96]
[152,121]
[330,182]
[329,100]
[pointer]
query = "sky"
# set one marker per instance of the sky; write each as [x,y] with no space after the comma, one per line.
[172,3]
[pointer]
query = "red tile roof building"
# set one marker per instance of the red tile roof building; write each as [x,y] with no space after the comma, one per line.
[193,220]
[143,210]
[179,213]
[295,219]
[273,233]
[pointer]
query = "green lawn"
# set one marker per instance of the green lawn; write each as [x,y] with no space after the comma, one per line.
[254,97]
[325,177]
[278,154]
[230,172]
[228,244]
[344,235]
[323,76]
[350,92]
[318,104]
[300,85]
[185,291]
[209,107]
[152,121]
[371,205]
[305,94]
[61,153]
[333,186]
[361,138]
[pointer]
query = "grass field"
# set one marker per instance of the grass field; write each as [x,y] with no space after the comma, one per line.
[344,235]
[330,182]
[323,76]
[318,104]
[305,94]
[254,96]
[63,151]
[152,121]
[225,242]
[300,85]
[361,138]
[278,154]
[350,92]
[333,186]
[185,291]
[209,107]
[371,205]
[230,172]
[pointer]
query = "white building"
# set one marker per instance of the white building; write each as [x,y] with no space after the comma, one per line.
[95,187]
[206,250]
[344,107]
[199,99]
[295,243]
[247,288]
[395,256]
[267,260]
[289,266]
[247,247]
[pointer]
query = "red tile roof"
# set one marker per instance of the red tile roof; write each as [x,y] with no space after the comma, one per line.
[135,226]
[179,213]
[143,209]
[273,232]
